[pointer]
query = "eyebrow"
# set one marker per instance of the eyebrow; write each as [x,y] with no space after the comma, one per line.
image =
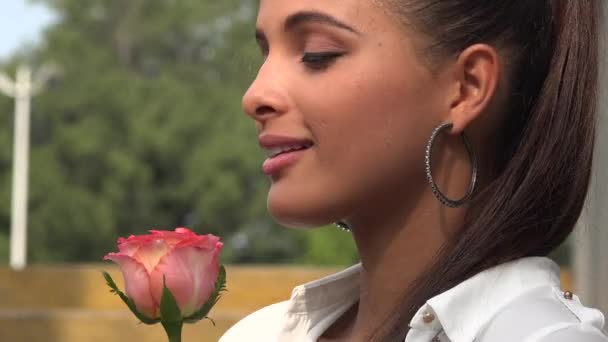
[300,18]
[303,17]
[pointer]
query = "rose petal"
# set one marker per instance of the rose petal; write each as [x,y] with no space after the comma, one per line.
[208,241]
[130,245]
[137,284]
[182,230]
[150,253]
[190,274]
[173,237]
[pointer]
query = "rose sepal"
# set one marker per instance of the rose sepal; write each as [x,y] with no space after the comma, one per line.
[114,289]
[170,315]
[220,286]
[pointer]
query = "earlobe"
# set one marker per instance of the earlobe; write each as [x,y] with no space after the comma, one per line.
[478,71]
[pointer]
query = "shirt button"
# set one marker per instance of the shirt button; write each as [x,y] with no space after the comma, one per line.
[568,295]
[428,317]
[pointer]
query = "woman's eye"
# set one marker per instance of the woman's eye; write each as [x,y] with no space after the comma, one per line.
[320,60]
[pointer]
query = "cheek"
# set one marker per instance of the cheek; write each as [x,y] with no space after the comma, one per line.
[371,127]
[377,123]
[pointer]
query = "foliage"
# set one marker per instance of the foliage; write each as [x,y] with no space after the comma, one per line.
[144,129]
[130,303]
[329,246]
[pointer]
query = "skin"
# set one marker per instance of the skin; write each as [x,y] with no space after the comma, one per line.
[370,112]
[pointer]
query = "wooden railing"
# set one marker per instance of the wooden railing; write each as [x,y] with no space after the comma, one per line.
[72,303]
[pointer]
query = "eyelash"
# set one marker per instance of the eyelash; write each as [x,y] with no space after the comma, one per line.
[318,61]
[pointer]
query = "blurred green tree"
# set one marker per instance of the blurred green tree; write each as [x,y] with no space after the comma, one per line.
[144,129]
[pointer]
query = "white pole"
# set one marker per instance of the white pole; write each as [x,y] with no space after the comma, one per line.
[590,252]
[23,95]
[22,90]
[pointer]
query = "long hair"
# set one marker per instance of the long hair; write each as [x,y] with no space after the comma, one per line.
[544,161]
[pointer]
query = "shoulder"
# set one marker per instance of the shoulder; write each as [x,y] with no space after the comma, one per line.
[266,321]
[546,315]
[564,332]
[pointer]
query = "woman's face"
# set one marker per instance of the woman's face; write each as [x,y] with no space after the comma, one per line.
[348,78]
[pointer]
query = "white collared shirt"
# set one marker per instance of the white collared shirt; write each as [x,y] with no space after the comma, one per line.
[516,301]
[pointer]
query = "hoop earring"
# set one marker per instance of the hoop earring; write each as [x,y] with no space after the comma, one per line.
[342,226]
[474,166]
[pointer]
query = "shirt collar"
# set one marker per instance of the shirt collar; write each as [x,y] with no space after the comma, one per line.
[461,312]
[335,289]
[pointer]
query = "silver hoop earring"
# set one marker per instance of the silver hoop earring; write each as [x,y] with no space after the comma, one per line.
[429,175]
[342,226]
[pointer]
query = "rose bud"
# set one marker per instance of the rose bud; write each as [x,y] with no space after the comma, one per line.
[186,263]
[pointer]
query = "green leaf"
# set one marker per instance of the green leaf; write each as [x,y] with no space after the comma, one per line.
[169,311]
[114,289]
[220,286]
[170,315]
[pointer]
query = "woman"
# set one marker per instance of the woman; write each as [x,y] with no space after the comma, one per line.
[454,139]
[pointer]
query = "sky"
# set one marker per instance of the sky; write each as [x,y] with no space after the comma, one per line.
[21,22]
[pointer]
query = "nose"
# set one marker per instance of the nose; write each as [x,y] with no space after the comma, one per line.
[266,97]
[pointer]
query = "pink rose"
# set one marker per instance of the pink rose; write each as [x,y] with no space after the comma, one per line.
[189,263]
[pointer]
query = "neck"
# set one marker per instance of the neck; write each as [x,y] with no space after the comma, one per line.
[398,236]
[394,253]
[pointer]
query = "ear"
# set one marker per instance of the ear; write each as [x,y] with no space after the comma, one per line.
[476,72]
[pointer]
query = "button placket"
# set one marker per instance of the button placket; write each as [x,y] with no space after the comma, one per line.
[440,337]
[424,326]
[429,320]
[428,317]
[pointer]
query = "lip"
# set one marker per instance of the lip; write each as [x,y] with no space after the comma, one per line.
[269,141]
[275,164]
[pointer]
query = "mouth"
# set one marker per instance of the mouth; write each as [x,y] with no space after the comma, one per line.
[280,160]
[274,152]
[283,151]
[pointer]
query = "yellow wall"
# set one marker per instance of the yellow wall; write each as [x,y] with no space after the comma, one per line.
[72,303]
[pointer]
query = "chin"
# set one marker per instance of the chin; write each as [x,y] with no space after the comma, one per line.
[295,211]
[293,216]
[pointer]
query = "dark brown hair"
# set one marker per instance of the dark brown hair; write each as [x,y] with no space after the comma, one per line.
[544,161]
